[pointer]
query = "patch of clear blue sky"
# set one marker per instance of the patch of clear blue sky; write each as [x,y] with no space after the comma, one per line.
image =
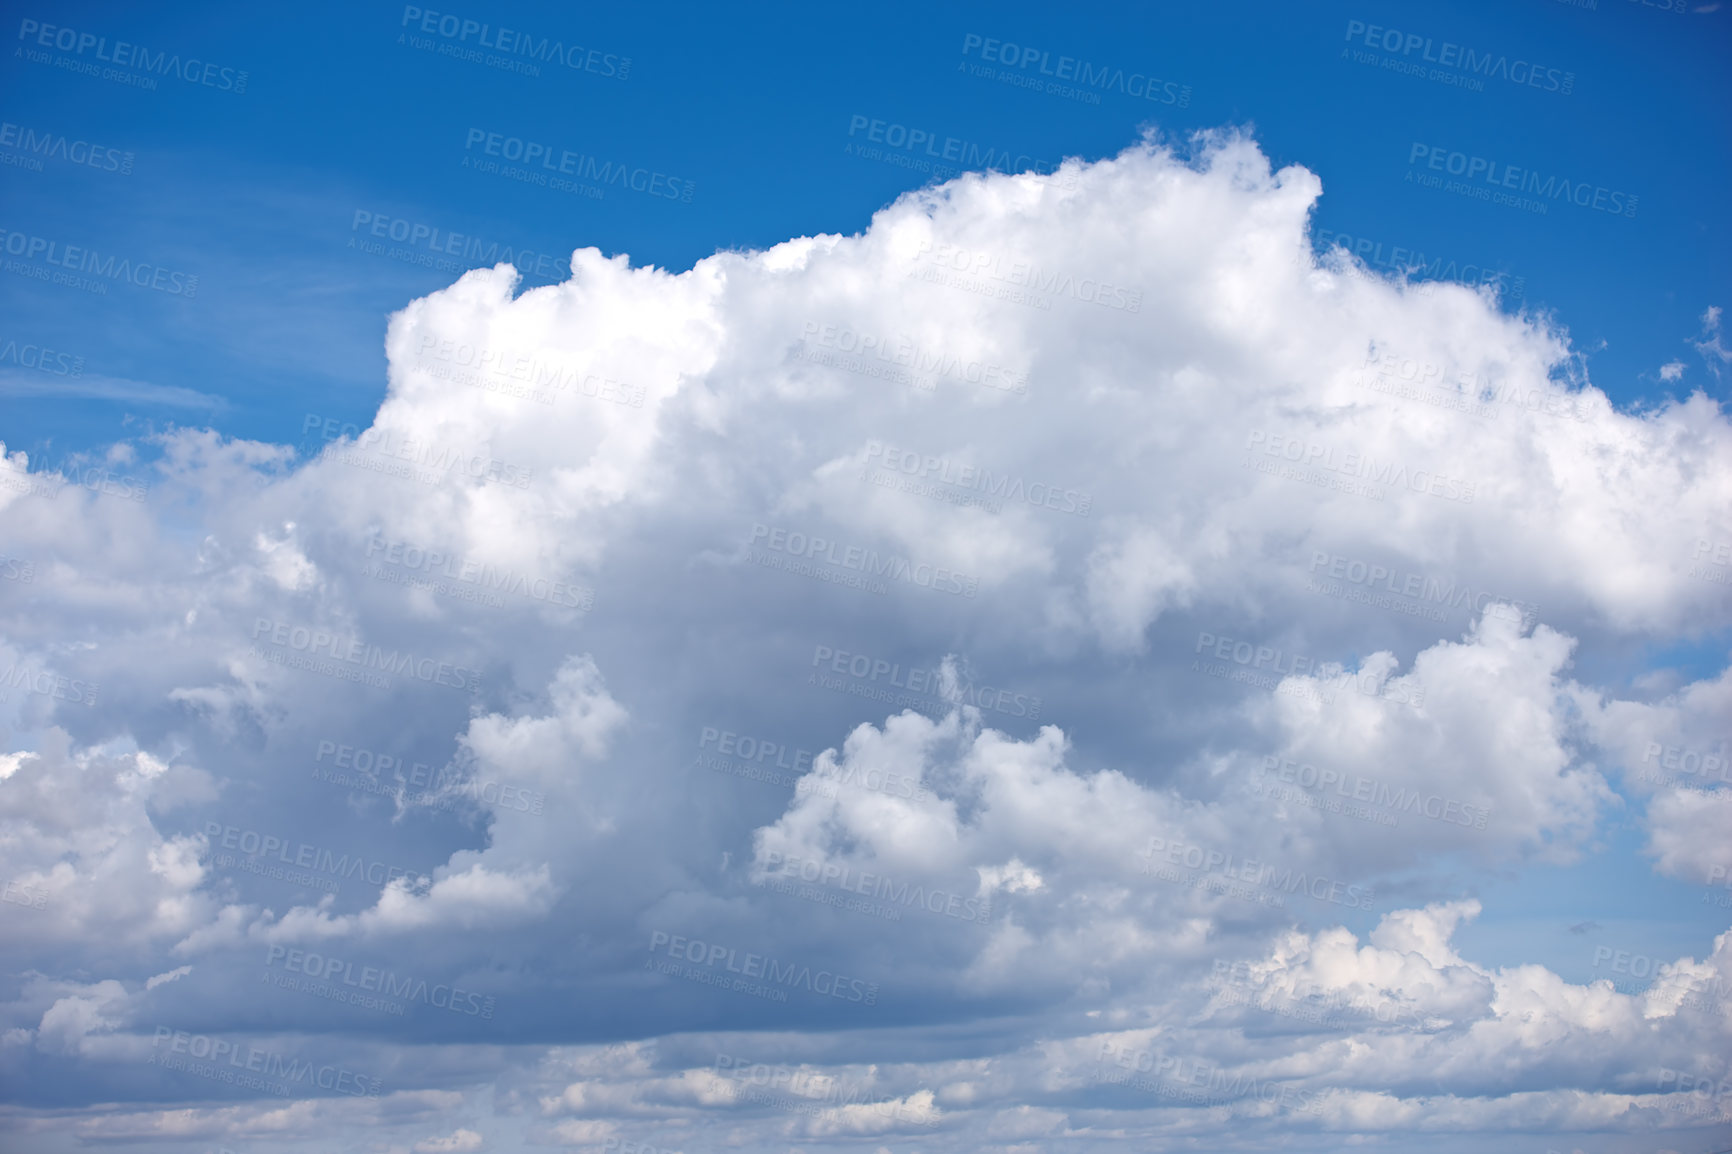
[257,193]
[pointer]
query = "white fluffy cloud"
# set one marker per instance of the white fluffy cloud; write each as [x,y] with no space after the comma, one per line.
[1304,635]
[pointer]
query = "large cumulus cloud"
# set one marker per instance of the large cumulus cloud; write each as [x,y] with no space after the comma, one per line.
[1297,563]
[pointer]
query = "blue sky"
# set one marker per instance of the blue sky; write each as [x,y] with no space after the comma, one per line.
[256,193]
[619,593]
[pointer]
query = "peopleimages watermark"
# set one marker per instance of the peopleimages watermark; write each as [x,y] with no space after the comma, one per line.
[1473,393]
[359,657]
[417,567]
[122,55]
[917,148]
[817,895]
[863,355]
[1072,78]
[742,755]
[1197,1081]
[760,975]
[323,968]
[22,481]
[1365,789]
[1440,397]
[36,146]
[616,1145]
[19,894]
[51,480]
[907,465]
[1236,987]
[258,848]
[1701,1093]
[1160,854]
[41,358]
[1457,66]
[1500,177]
[533,375]
[1017,281]
[1710,997]
[45,683]
[1636,965]
[901,360]
[63,263]
[1297,678]
[393,454]
[827,774]
[445,250]
[1347,471]
[1415,594]
[360,768]
[943,683]
[962,498]
[876,887]
[1710,561]
[255,1070]
[1294,470]
[1680,759]
[801,1091]
[505,48]
[1411,261]
[98,479]
[803,549]
[548,166]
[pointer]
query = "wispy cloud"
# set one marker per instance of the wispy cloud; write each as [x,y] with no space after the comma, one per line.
[22,384]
